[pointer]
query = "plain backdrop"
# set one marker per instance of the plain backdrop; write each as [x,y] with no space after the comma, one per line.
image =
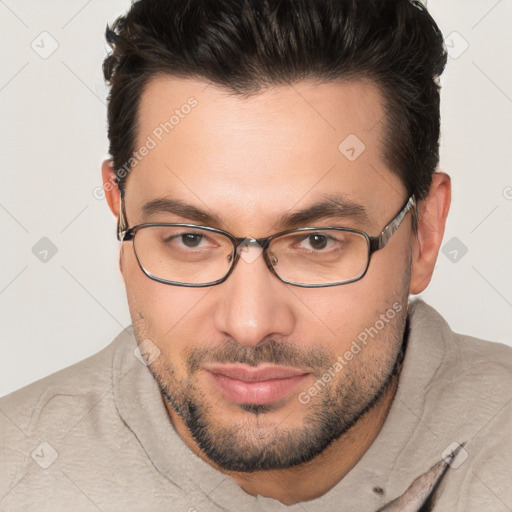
[61,294]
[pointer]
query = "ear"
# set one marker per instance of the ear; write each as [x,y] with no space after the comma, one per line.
[110,187]
[112,196]
[432,212]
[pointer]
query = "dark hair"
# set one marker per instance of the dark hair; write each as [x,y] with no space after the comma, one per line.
[247,45]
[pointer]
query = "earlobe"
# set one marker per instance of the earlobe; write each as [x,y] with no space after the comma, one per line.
[433,211]
[110,187]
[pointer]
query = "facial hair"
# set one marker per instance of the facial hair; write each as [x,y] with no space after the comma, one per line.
[260,444]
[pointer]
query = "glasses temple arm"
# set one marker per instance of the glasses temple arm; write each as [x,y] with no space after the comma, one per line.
[382,240]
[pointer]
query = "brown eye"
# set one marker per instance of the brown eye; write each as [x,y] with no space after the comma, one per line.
[318,242]
[191,239]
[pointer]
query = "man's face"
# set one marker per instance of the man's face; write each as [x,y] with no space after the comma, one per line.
[249,162]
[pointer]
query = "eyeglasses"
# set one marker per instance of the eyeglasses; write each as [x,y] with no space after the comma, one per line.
[198,256]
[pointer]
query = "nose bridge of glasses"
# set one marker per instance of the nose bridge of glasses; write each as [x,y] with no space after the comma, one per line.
[249,249]
[246,242]
[254,242]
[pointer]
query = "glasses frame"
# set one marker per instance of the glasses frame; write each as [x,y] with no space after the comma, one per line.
[374,243]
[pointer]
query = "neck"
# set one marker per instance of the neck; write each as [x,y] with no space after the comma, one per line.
[312,479]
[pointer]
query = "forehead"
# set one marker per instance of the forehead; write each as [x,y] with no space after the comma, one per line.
[306,110]
[260,155]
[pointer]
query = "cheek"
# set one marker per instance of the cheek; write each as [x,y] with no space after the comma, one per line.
[350,312]
[172,317]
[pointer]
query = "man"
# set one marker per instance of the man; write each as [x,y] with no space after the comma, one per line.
[273,176]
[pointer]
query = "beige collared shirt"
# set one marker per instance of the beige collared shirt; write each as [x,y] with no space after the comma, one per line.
[96,436]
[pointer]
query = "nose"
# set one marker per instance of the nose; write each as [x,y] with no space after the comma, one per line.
[253,303]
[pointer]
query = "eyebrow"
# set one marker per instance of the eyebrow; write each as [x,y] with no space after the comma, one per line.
[332,206]
[181,209]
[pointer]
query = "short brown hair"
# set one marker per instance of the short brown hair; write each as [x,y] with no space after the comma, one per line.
[246,45]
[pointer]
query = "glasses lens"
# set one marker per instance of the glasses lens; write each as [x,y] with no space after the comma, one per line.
[183,254]
[319,257]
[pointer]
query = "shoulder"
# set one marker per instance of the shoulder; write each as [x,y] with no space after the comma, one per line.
[460,385]
[477,404]
[463,356]
[36,417]
[87,377]
[459,390]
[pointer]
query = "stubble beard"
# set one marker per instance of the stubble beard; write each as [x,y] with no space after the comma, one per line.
[262,443]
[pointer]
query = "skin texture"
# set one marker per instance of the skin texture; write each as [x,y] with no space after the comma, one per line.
[249,161]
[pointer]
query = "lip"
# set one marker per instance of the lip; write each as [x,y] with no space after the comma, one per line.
[264,384]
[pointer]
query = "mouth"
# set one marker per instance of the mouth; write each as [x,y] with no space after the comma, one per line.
[264,384]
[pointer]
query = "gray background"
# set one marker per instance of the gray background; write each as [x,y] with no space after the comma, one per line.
[57,309]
